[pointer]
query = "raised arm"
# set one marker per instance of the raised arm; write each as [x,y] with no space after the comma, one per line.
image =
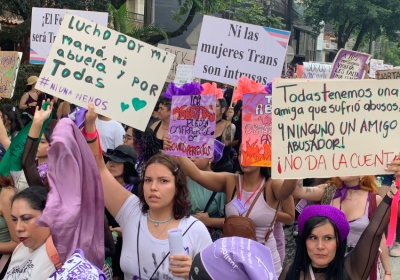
[3,136]
[282,190]
[215,182]
[230,129]
[309,193]
[115,195]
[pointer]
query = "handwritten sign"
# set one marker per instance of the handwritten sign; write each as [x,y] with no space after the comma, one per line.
[375,65]
[182,56]
[349,65]
[334,128]
[387,67]
[388,74]
[184,75]
[192,125]
[316,70]
[9,65]
[228,50]
[45,26]
[122,76]
[256,129]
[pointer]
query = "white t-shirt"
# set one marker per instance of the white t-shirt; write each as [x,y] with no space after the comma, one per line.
[152,250]
[111,134]
[25,265]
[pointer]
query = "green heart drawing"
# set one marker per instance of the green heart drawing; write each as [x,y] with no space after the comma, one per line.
[138,104]
[124,106]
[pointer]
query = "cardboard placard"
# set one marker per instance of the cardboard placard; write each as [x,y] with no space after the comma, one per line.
[9,65]
[228,50]
[45,25]
[349,65]
[192,125]
[182,56]
[387,67]
[375,65]
[328,128]
[256,129]
[388,74]
[122,76]
[184,75]
[316,70]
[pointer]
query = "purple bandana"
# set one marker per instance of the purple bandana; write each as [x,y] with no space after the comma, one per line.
[43,169]
[342,193]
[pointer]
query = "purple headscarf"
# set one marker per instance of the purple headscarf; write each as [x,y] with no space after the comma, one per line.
[192,88]
[74,210]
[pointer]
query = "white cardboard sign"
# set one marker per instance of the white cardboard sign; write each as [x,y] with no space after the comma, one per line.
[45,26]
[230,49]
[122,76]
[316,70]
[184,75]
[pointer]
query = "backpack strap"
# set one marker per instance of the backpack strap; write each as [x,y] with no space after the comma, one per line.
[272,224]
[210,201]
[372,205]
[255,199]
[52,253]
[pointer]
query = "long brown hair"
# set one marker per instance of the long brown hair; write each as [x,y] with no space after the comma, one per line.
[367,183]
[182,204]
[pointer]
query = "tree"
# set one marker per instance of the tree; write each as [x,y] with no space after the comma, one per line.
[253,12]
[122,21]
[351,15]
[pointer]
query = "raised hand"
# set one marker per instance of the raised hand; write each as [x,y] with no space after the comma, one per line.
[42,115]
[90,119]
[229,114]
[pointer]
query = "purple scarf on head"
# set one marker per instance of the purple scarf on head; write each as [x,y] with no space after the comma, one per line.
[342,193]
[75,204]
[129,187]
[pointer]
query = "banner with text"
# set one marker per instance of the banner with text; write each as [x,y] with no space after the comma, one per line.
[316,70]
[256,129]
[388,74]
[349,65]
[228,50]
[45,26]
[184,75]
[334,128]
[182,56]
[122,76]
[374,66]
[387,67]
[192,125]
[9,65]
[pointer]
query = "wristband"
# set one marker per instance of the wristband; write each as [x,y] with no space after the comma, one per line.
[92,141]
[386,273]
[89,135]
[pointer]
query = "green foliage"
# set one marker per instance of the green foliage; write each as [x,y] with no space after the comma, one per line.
[25,71]
[388,51]
[123,22]
[253,12]
[201,7]
[351,15]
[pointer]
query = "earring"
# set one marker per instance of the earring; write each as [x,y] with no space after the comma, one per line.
[209,162]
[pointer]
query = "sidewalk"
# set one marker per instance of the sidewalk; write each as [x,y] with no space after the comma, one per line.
[395,266]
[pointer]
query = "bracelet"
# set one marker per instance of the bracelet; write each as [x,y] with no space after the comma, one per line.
[92,141]
[387,273]
[89,135]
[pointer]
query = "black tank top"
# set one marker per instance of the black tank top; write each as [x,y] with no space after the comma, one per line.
[226,154]
[159,142]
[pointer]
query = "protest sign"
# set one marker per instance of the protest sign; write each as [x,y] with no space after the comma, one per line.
[388,74]
[349,65]
[316,70]
[387,67]
[192,125]
[375,65]
[122,76]
[45,24]
[184,75]
[228,50]
[256,129]
[9,65]
[182,56]
[320,128]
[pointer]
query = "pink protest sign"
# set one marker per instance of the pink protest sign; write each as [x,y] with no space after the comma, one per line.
[256,129]
[192,125]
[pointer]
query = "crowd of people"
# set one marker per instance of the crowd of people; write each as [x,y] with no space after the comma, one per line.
[89,182]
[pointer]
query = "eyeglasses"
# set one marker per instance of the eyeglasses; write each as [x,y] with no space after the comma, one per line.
[127,137]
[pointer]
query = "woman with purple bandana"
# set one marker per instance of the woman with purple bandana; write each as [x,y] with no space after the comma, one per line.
[323,231]
[353,196]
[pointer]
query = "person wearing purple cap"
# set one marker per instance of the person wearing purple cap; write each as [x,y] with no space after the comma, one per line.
[208,206]
[321,248]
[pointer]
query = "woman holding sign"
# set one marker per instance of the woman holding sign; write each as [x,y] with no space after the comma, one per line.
[243,192]
[356,197]
[163,205]
[324,230]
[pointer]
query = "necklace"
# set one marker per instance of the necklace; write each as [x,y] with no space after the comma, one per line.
[219,121]
[166,225]
[158,222]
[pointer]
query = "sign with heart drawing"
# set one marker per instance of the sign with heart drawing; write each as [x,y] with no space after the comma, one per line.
[122,76]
